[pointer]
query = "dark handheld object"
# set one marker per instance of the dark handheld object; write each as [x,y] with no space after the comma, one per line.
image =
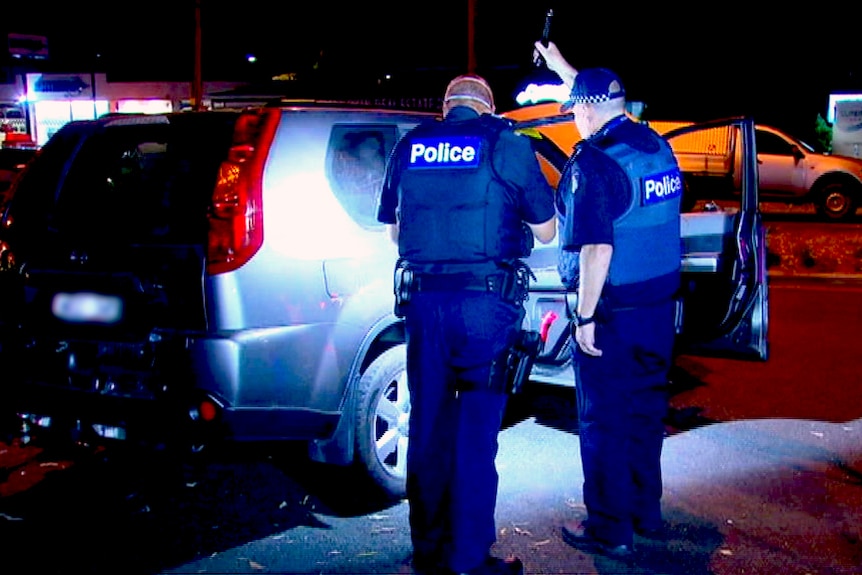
[546,33]
[519,361]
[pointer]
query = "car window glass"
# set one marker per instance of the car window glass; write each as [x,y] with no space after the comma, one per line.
[148,183]
[769,143]
[116,181]
[34,200]
[356,162]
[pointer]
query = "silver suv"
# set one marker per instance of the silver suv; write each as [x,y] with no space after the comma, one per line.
[187,278]
[212,275]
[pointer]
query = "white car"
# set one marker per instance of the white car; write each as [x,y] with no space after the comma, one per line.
[790,169]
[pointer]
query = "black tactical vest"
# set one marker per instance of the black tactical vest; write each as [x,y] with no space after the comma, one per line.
[453,206]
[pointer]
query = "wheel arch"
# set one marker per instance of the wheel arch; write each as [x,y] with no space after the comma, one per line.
[836,177]
[339,449]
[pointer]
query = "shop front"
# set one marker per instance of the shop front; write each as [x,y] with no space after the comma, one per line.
[52,100]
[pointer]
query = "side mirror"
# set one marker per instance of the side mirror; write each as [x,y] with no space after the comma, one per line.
[797,153]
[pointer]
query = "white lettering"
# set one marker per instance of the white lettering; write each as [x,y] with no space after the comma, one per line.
[668,186]
[442,153]
[416,151]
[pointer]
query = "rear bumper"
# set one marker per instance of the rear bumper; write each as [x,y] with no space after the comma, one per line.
[194,418]
[90,416]
[168,388]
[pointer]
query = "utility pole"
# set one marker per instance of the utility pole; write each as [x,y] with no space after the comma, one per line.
[471,36]
[197,83]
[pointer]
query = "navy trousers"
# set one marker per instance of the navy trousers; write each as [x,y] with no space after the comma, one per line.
[452,339]
[622,402]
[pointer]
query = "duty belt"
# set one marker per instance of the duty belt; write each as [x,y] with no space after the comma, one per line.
[459,281]
[510,284]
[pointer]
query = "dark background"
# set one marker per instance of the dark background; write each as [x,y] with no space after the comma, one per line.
[690,62]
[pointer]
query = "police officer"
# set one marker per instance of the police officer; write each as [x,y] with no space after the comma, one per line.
[619,202]
[463,198]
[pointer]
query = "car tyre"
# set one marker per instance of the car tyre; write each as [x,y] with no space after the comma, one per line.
[837,201]
[383,421]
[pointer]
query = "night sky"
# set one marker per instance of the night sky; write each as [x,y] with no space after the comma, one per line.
[689,64]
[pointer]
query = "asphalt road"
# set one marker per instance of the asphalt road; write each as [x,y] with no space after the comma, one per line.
[763,469]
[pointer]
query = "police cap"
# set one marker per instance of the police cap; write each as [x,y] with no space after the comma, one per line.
[469,88]
[594,85]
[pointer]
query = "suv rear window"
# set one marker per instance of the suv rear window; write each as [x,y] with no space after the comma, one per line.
[130,183]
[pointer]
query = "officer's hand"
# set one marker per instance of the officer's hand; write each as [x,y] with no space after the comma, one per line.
[540,51]
[555,62]
[586,338]
[550,53]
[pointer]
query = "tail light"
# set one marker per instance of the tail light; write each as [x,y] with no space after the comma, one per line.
[236,210]
[206,410]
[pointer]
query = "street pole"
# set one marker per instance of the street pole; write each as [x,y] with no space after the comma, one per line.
[30,130]
[197,85]
[471,36]
[93,91]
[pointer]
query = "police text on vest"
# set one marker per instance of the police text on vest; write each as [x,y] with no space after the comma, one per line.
[445,152]
[661,187]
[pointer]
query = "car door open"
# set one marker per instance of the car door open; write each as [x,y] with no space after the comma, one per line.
[724,299]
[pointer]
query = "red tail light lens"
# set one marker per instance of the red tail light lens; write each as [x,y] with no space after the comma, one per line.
[236,210]
[208,410]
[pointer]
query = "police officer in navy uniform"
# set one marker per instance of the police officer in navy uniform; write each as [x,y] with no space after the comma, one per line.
[463,197]
[618,201]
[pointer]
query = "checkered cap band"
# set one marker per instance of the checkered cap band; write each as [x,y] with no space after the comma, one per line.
[593,86]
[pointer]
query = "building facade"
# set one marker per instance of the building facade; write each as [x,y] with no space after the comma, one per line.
[42,103]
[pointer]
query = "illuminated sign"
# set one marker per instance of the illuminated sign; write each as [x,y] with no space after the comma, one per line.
[70,86]
[847,129]
[536,93]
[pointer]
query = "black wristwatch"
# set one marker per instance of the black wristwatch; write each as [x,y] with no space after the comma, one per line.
[581,321]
